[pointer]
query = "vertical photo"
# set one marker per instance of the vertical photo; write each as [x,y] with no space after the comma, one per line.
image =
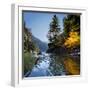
[51,44]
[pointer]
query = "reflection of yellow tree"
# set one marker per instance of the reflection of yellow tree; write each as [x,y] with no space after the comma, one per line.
[73,40]
[71,66]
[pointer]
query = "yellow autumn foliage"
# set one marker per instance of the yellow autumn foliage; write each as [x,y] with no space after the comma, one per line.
[72,40]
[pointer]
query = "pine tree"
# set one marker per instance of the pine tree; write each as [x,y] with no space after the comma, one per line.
[71,23]
[54,32]
[72,31]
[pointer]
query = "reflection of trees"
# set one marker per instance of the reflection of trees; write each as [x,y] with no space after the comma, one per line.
[29,49]
[62,43]
[72,66]
[64,65]
[56,65]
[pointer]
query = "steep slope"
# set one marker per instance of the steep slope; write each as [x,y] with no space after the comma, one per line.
[42,45]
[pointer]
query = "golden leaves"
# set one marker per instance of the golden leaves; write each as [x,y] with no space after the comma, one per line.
[72,40]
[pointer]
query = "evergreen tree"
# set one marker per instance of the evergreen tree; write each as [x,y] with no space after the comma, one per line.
[71,23]
[72,31]
[54,32]
[29,45]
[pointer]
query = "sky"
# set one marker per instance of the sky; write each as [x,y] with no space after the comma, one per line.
[38,23]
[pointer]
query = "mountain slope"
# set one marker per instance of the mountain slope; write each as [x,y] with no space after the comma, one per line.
[42,45]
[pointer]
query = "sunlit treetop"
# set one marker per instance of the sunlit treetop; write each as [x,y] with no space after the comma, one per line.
[73,40]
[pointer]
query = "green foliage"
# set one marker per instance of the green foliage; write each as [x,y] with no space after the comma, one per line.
[70,38]
[29,62]
[71,23]
[72,31]
[55,36]
[29,45]
[54,29]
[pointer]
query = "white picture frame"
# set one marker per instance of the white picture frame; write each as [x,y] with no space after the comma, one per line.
[16,54]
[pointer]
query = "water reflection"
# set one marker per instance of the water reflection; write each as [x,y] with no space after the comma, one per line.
[56,65]
[72,65]
[65,65]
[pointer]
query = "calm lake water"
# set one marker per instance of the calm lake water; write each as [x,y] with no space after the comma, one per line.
[56,65]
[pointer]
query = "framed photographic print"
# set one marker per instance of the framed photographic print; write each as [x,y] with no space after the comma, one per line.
[47,44]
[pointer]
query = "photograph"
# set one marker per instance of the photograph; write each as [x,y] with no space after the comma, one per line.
[50,43]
